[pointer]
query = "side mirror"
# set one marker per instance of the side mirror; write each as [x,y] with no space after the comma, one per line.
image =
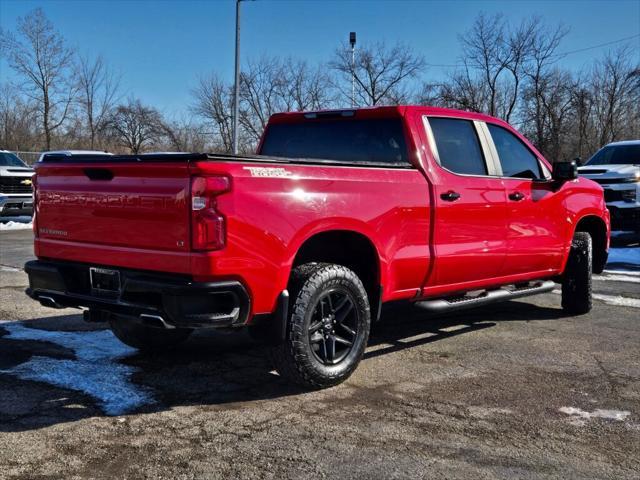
[565,171]
[578,161]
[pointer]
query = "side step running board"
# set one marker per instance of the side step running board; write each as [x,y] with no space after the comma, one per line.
[486,297]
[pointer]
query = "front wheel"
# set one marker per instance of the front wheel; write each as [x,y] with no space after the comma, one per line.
[576,281]
[328,326]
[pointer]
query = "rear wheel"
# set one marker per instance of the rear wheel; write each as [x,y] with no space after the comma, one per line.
[576,281]
[328,326]
[146,338]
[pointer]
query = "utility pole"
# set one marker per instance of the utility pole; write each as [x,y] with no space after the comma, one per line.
[236,87]
[352,41]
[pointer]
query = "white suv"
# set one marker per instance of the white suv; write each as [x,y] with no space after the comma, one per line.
[616,167]
[16,197]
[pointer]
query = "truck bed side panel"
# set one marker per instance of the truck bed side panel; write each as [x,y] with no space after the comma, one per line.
[273,209]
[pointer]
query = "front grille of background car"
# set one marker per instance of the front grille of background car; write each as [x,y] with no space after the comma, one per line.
[612,196]
[14,185]
[605,181]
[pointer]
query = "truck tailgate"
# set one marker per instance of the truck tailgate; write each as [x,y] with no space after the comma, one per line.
[128,206]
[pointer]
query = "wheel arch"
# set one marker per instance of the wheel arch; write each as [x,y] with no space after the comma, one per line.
[352,249]
[597,228]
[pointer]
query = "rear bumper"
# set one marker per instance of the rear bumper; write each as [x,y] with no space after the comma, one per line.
[173,300]
[15,206]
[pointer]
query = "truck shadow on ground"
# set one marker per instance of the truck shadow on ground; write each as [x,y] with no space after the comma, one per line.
[46,379]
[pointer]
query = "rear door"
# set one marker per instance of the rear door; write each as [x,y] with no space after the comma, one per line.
[535,218]
[470,214]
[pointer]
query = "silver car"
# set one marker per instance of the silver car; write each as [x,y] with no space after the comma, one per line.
[16,197]
[616,167]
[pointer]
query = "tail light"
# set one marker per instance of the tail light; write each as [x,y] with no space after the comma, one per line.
[208,229]
[34,199]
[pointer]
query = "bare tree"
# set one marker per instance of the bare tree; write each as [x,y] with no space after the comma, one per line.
[582,106]
[498,54]
[98,93]
[380,72]
[460,90]
[271,85]
[549,113]
[303,87]
[615,94]
[184,135]
[213,102]
[544,44]
[485,50]
[136,126]
[261,85]
[42,59]
[17,118]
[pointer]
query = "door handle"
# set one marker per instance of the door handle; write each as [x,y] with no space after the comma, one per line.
[516,196]
[450,196]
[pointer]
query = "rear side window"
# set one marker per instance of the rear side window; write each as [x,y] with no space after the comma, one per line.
[458,146]
[516,159]
[364,141]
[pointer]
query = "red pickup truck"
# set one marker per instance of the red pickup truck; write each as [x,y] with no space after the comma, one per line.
[339,212]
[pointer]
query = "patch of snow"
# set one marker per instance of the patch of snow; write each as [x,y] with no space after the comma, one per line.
[617,300]
[6,268]
[11,225]
[96,370]
[626,272]
[630,255]
[618,415]
[618,278]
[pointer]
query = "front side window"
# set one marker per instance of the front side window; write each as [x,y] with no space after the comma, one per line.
[516,159]
[458,146]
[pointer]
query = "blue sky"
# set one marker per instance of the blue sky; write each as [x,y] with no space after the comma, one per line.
[160,47]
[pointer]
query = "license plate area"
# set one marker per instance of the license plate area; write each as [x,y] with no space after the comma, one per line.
[104,280]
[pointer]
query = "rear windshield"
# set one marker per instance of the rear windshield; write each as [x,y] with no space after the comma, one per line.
[617,155]
[352,141]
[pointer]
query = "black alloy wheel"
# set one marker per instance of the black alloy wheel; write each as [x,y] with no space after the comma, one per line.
[334,326]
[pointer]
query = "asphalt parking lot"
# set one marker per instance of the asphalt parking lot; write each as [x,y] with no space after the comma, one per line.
[514,390]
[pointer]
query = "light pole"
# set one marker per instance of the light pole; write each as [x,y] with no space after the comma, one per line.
[236,86]
[352,41]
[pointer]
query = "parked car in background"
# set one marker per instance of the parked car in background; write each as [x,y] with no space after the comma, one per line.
[68,153]
[616,167]
[16,197]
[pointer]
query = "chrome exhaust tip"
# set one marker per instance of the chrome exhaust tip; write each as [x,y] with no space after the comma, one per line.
[155,321]
[48,302]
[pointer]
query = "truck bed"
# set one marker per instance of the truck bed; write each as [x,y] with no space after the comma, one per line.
[134,212]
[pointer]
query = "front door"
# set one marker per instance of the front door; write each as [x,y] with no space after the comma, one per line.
[535,224]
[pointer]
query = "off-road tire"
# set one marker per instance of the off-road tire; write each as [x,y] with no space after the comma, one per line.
[145,338]
[576,281]
[293,358]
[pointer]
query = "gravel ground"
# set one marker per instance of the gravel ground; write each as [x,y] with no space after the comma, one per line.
[515,390]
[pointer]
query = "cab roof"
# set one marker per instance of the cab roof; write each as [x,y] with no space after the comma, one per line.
[394,111]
